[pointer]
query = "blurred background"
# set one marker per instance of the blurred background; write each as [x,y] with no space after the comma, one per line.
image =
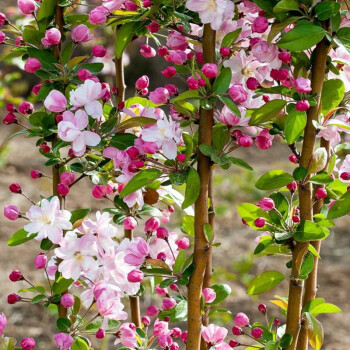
[234,262]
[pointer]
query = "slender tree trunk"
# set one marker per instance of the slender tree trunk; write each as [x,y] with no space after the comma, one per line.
[305,195]
[311,282]
[62,312]
[120,85]
[201,246]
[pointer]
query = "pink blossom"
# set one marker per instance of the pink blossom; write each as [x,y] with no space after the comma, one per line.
[11,212]
[142,82]
[99,51]
[27,343]
[214,334]
[238,93]
[183,243]
[333,127]
[55,101]
[52,37]
[129,223]
[126,335]
[3,323]
[26,6]
[32,65]
[67,177]
[165,341]
[257,333]
[302,105]
[210,70]
[98,15]
[264,139]
[266,204]
[260,25]
[136,252]
[344,169]
[209,295]
[161,328]
[70,130]
[81,34]
[264,52]
[40,261]
[168,303]
[67,300]
[63,341]
[303,85]
[147,51]
[176,41]
[136,276]
[177,57]
[241,320]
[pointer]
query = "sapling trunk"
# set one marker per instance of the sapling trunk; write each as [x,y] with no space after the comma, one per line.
[120,97]
[311,282]
[305,195]
[201,245]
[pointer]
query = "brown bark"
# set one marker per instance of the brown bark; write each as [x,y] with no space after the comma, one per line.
[201,246]
[311,282]
[305,195]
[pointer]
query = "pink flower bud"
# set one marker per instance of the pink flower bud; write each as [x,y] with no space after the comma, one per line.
[285,57]
[32,65]
[81,34]
[9,119]
[267,204]
[276,322]
[3,323]
[321,193]
[182,243]
[84,74]
[199,57]
[142,82]
[16,276]
[152,225]
[169,72]
[252,83]
[55,101]
[26,108]
[234,343]
[40,261]
[100,334]
[11,212]
[98,15]
[52,37]
[210,70]
[160,291]
[11,108]
[67,300]
[168,303]
[159,96]
[162,233]
[147,51]
[302,106]
[174,287]
[345,176]
[184,336]
[26,6]
[67,178]
[257,333]
[130,5]
[181,157]
[260,222]
[15,188]
[3,19]
[27,343]
[225,51]
[262,308]
[209,295]
[98,191]
[303,85]
[238,93]
[192,83]
[152,310]
[295,219]
[13,298]
[172,89]
[129,223]
[292,186]
[161,256]
[163,51]
[36,88]
[260,25]
[176,332]
[153,27]
[293,158]
[245,141]
[241,320]
[99,51]
[62,190]
[135,276]
[283,74]
[146,321]
[237,330]
[35,174]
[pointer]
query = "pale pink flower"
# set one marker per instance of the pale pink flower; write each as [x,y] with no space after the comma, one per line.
[176,41]
[345,168]
[113,5]
[3,323]
[87,96]
[48,220]
[55,101]
[333,127]
[99,15]
[161,328]
[177,57]
[71,129]
[63,341]
[214,334]
[26,6]
[126,335]
[241,320]
[81,34]
[209,295]
[264,52]
[303,85]
[159,96]
[165,341]
[166,134]
[52,37]
[147,51]
[137,251]
[227,117]
[77,255]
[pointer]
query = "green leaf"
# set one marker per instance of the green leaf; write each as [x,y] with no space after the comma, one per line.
[123,141]
[341,207]
[307,265]
[61,284]
[310,231]
[314,330]
[266,112]
[277,28]
[124,36]
[294,126]
[326,9]
[38,298]
[230,104]
[79,214]
[274,179]
[79,344]
[299,173]
[32,36]
[222,291]
[267,5]
[286,5]
[93,68]
[231,37]
[222,82]
[32,289]
[179,262]
[46,13]
[63,324]
[250,212]
[343,36]
[186,95]
[42,119]
[265,282]
[302,37]
[332,94]
[20,237]
[286,340]
[140,180]
[188,225]
[325,308]
[192,188]
[221,136]
[321,179]
[241,163]
[208,232]
[96,325]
